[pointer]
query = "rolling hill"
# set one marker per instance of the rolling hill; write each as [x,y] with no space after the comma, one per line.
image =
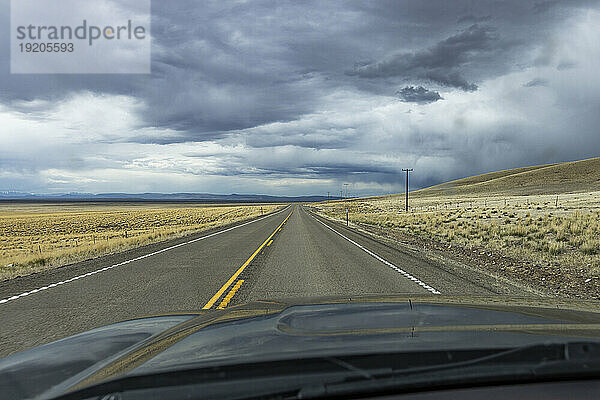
[566,177]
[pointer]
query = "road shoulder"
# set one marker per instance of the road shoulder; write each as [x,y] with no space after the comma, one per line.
[21,284]
[451,260]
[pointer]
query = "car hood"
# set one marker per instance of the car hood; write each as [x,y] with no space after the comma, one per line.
[267,331]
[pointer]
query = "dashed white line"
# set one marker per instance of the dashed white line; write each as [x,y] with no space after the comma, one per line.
[389,264]
[134,259]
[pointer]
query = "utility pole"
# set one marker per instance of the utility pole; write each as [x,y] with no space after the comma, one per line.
[328,197]
[346,197]
[407,171]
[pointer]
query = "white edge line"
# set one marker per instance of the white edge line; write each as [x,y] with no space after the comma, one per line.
[49,286]
[389,264]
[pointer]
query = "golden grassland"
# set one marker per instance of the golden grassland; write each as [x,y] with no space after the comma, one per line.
[35,237]
[545,214]
[536,230]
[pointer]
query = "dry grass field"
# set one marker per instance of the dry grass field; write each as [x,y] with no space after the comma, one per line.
[34,237]
[549,215]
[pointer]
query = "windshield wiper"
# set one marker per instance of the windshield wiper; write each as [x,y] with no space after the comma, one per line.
[344,376]
[528,363]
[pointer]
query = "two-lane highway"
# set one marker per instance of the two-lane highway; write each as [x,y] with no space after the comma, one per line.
[314,257]
[289,254]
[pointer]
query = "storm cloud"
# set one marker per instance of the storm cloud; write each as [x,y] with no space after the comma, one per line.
[300,97]
[536,82]
[419,94]
[440,63]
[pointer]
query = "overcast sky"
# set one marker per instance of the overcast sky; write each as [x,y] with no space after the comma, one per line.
[299,97]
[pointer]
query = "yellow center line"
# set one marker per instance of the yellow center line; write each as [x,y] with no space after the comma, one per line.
[217,295]
[230,295]
[268,244]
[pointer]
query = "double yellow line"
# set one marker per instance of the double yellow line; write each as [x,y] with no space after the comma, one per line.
[218,295]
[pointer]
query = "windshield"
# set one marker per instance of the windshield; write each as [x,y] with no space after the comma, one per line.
[194,158]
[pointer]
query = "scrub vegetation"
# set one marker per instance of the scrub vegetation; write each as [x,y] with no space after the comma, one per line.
[522,214]
[35,237]
[520,230]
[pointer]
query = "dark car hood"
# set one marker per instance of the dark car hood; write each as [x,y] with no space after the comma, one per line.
[266,331]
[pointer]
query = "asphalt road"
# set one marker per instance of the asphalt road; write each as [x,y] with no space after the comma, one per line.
[288,254]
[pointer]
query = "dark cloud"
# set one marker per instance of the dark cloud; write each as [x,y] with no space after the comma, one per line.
[419,94]
[266,87]
[440,63]
[536,82]
[543,6]
[471,19]
[564,65]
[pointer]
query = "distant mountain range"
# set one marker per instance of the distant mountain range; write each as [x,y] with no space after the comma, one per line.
[196,197]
